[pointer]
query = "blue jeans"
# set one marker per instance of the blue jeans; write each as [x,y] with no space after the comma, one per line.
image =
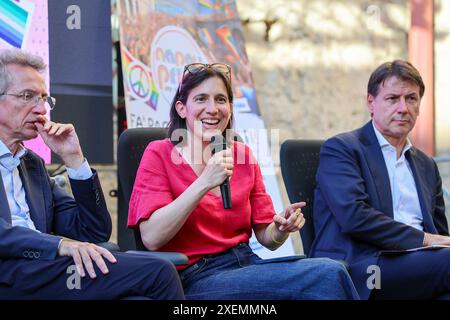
[236,275]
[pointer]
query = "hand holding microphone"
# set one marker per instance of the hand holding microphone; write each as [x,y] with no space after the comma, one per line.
[219,168]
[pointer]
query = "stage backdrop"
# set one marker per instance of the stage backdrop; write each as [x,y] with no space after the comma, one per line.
[24,24]
[159,37]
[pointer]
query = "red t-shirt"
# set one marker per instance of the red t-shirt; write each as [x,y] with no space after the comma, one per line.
[163,175]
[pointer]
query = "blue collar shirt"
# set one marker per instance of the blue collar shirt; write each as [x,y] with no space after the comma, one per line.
[15,192]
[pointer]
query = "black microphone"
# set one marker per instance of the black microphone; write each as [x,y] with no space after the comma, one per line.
[218,144]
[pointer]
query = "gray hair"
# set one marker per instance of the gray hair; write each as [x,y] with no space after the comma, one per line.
[18,57]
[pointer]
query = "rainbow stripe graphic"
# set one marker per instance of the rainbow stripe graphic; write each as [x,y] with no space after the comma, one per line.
[144,89]
[230,12]
[127,58]
[13,20]
[225,35]
[205,36]
[210,4]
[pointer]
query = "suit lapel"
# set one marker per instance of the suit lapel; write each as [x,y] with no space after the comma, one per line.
[420,181]
[32,182]
[5,213]
[377,166]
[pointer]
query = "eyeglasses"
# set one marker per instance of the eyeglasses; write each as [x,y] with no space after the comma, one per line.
[30,98]
[194,68]
[197,67]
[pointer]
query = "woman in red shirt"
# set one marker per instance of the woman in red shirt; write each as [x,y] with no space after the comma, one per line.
[176,203]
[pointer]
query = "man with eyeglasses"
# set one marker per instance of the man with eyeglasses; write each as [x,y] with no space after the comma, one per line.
[45,234]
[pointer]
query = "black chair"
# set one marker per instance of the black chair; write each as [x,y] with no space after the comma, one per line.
[299,161]
[131,146]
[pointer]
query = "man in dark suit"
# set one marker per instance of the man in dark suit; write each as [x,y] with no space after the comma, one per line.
[46,236]
[376,193]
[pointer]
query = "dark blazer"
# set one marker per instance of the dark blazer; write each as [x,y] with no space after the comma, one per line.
[353,214]
[54,213]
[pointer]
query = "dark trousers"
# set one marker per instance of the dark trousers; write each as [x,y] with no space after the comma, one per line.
[417,275]
[131,276]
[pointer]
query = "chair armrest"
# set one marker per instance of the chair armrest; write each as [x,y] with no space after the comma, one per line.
[176,258]
[110,246]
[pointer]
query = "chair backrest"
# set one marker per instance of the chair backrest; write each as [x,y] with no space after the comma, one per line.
[299,161]
[131,146]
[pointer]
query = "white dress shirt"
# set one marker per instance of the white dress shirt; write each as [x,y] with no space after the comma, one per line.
[15,192]
[405,200]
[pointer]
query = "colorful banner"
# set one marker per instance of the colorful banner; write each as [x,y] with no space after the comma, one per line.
[24,24]
[15,21]
[158,38]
